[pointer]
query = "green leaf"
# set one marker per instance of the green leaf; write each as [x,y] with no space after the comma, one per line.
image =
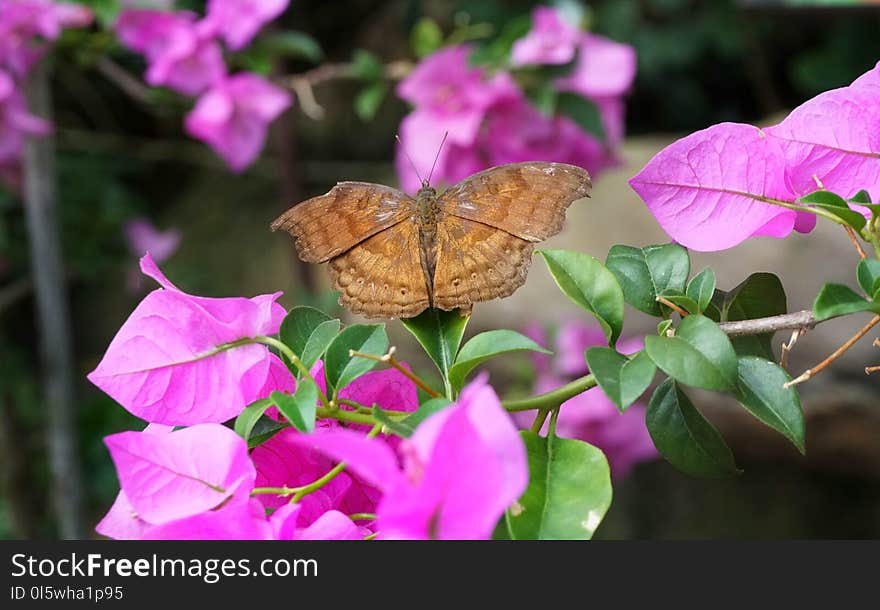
[439,333]
[398,427]
[485,346]
[292,44]
[868,274]
[368,101]
[366,66]
[699,354]
[583,112]
[568,494]
[265,429]
[299,408]
[681,299]
[759,388]
[589,284]
[837,300]
[249,416]
[543,96]
[426,37]
[684,437]
[340,368]
[663,326]
[837,205]
[105,11]
[318,342]
[861,198]
[426,410]
[298,325]
[701,288]
[622,379]
[759,296]
[645,272]
[497,50]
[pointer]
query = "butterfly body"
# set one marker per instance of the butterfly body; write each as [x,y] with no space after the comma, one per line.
[393,256]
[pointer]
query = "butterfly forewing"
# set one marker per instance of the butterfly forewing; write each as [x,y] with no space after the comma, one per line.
[477,262]
[327,226]
[527,200]
[382,276]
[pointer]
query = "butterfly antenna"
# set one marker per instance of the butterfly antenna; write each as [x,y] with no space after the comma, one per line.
[437,157]
[408,158]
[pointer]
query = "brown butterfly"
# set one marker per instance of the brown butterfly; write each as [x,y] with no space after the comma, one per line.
[393,256]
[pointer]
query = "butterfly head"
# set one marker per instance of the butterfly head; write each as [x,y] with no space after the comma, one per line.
[427,191]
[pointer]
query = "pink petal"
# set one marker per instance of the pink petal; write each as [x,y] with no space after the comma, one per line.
[551,40]
[871,78]
[238,21]
[833,138]
[122,522]
[605,68]
[332,525]
[706,189]
[170,476]
[239,521]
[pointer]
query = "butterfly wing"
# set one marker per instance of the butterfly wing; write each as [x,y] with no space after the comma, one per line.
[477,262]
[327,226]
[382,277]
[527,200]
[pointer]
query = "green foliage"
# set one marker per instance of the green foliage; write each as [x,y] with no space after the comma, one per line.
[426,37]
[589,284]
[308,332]
[299,408]
[366,66]
[247,419]
[699,354]
[488,345]
[837,300]
[837,205]
[340,367]
[645,273]
[369,100]
[868,275]
[684,437]
[582,111]
[759,295]
[701,288]
[623,379]
[568,494]
[439,333]
[760,389]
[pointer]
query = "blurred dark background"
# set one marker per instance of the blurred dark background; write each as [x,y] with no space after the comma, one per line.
[699,63]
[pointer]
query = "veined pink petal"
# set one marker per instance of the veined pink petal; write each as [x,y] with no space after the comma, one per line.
[171,476]
[122,521]
[833,140]
[708,190]
[170,362]
[238,521]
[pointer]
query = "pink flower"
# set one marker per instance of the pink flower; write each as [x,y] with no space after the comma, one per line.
[171,361]
[462,468]
[605,69]
[449,96]
[15,122]
[573,339]
[552,40]
[143,237]
[232,117]
[238,21]
[23,22]
[181,53]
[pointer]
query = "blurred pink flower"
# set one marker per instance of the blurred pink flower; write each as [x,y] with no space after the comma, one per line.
[182,53]
[604,69]
[552,40]
[462,468]
[233,116]
[450,96]
[24,22]
[238,21]
[143,237]
[170,362]
[591,416]
[15,122]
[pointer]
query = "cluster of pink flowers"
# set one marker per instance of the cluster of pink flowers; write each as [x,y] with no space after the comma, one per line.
[720,186]
[183,53]
[185,360]
[488,119]
[591,416]
[27,27]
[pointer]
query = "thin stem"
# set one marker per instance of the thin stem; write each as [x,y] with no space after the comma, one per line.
[540,418]
[392,361]
[343,415]
[683,313]
[552,399]
[362,517]
[275,491]
[293,358]
[554,415]
[803,319]
[855,241]
[367,410]
[871,369]
[809,373]
[319,483]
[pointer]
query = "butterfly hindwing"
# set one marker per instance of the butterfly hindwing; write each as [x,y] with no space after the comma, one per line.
[477,262]
[527,200]
[328,225]
[383,276]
